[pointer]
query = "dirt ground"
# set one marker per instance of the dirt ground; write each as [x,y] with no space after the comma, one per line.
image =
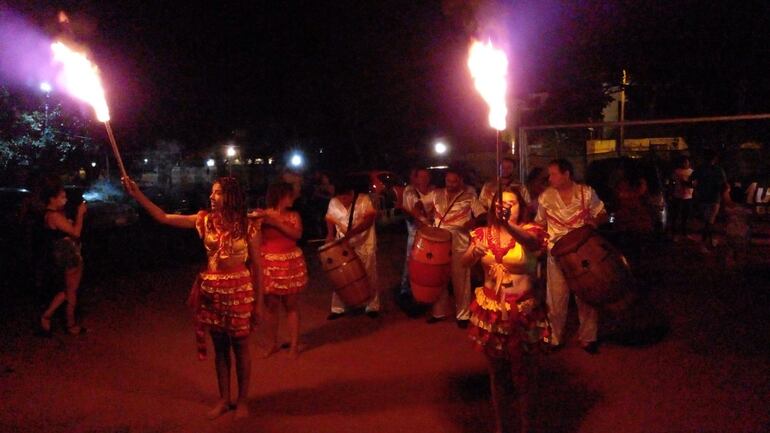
[136,369]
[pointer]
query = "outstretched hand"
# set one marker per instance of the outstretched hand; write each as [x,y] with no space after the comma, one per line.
[130,186]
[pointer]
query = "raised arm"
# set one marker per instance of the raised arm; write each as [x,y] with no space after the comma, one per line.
[180,221]
[60,222]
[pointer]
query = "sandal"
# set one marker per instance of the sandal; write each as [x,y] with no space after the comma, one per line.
[76,330]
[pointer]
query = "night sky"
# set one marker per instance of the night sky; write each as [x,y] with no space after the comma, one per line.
[352,76]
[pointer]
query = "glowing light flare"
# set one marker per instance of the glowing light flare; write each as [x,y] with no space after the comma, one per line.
[489,69]
[80,78]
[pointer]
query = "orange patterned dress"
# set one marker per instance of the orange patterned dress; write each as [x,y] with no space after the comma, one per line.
[506,325]
[284,271]
[223,295]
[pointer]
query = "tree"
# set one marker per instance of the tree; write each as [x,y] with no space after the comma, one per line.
[39,136]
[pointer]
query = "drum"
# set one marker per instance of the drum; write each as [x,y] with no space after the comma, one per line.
[595,270]
[345,270]
[430,263]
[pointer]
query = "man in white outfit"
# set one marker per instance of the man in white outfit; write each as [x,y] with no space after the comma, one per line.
[563,207]
[455,208]
[361,236]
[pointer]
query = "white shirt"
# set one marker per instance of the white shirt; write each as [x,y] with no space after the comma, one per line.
[560,218]
[464,208]
[490,188]
[412,195]
[339,215]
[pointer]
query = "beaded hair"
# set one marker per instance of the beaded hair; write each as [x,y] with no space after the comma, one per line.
[233,205]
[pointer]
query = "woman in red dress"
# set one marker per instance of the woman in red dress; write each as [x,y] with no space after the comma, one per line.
[284,273]
[507,321]
[223,296]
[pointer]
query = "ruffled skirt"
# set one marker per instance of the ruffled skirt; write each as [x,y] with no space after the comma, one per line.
[284,273]
[226,301]
[524,330]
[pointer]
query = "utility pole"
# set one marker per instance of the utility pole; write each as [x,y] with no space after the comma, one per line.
[622,112]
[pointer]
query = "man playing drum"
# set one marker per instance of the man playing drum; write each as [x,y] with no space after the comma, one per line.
[418,207]
[564,206]
[456,206]
[361,236]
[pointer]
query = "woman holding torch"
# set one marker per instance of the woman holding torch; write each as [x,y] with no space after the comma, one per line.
[506,321]
[223,297]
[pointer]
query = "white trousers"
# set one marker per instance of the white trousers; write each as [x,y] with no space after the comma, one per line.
[461,282]
[369,259]
[557,298]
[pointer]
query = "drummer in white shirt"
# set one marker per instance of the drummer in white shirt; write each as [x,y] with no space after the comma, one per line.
[456,206]
[564,206]
[418,207]
[361,236]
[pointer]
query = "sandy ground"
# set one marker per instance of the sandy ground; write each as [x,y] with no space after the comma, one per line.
[136,369]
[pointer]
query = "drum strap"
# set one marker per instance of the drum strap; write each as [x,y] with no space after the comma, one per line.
[352,210]
[449,208]
[571,222]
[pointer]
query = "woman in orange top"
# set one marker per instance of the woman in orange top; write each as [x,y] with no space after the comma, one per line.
[506,319]
[223,296]
[284,273]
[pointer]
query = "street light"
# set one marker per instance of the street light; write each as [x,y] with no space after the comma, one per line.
[230,152]
[440,148]
[296,160]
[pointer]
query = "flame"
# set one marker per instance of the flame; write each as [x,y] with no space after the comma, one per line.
[81,79]
[489,68]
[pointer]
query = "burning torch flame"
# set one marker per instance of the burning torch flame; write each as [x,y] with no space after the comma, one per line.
[489,67]
[81,79]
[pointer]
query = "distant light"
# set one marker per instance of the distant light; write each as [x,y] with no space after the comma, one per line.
[45,86]
[321,150]
[230,151]
[269,160]
[440,147]
[93,164]
[259,161]
[438,167]
[296,160]
[210,163]
[146,160]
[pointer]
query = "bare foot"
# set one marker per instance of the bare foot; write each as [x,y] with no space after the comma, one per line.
[269,352]
[241,410]
[45,324]
[218,410]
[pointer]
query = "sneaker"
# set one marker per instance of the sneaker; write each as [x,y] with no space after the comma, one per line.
[432,319]
[334,316]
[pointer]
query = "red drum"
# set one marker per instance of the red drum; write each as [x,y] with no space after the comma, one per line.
[346,272]
[430,264]
[595,270]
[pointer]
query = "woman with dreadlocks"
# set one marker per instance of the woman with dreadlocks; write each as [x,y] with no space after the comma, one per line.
[223,296]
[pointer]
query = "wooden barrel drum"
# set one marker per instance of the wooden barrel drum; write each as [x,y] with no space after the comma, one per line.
[595,270]
[430,263]
[346,272]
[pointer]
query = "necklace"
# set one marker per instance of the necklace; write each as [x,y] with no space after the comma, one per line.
[493,241]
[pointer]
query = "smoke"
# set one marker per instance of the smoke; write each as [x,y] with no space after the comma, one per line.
[103,190]
[25,52]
